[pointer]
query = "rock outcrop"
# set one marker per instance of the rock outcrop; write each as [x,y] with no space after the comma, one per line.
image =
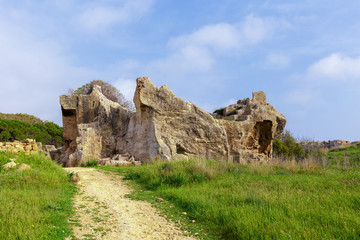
[92,126]
[165,126]
[325,144]
[27,146]
[251,125]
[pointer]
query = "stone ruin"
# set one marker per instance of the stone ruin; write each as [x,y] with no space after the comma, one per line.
[165,126]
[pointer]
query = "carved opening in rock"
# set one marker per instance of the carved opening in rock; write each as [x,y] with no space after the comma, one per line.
[67,143]
[70,125]
[180,149]
[68,112]
[235,158]
[260,137]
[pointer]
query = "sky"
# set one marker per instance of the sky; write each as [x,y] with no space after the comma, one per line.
[305,55]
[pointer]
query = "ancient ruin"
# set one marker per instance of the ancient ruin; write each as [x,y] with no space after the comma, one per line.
[165,126]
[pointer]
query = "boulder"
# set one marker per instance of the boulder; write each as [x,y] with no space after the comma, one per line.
[75,178]
[23,167]
[9,165]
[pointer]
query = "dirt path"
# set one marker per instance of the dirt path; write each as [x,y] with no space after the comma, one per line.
[103,211]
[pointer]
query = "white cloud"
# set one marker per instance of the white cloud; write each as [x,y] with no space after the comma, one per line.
[98,17]
[197,51]
[277,61]
[34,73]
[256,29]
[336,67]
[325,78]
[225,36]
[303,96]
[222,36]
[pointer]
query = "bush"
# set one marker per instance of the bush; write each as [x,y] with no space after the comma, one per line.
[109,92]
[47,133]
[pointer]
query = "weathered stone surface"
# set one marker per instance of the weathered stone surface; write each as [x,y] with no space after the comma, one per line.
[92,124]
[75,178]
[9,165]
[28,146]
[254,124]
[23,167]
[325,144]
[165,126]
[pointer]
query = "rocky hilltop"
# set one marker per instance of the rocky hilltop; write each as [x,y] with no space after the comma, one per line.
[165,126]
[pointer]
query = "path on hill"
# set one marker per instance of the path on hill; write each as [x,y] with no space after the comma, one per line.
[103,211]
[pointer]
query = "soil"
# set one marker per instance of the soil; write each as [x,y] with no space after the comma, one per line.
[102,211]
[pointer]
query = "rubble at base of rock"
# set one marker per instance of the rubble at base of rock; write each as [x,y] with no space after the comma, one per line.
[165,126]
[119,160]
[28,146]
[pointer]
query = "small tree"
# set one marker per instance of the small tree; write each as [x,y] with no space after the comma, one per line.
[285,145]
[109,91]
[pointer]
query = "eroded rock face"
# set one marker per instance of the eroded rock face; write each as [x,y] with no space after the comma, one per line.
[251,125]
[165,126]
[92,123]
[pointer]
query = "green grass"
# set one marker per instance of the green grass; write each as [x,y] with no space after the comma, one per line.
[289,201]
[36,203]
[345,155]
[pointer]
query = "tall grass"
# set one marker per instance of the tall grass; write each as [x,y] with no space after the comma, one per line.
[277,201]
[36,203]
[345,156]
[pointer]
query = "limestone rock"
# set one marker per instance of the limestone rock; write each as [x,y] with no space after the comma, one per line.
[23,167]
[325,144]
[9,165]
[165,126]
[75,178]
[91,126]
[254,124]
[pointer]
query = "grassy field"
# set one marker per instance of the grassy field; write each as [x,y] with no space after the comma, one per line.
[345,156]
[288,201]
[35,203]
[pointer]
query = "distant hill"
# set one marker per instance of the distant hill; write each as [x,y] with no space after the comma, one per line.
[21,117]
[12,128]
[349,155]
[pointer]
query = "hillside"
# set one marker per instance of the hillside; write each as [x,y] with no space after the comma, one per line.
[47,133]
[21,117]
[346,156]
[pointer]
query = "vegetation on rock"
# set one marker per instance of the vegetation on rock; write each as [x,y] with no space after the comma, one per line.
[35,203]
[47,133]
[109,91]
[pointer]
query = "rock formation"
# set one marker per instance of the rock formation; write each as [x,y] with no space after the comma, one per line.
[30,146]
[165,126]
[325,144]
[92,126]
[250,126]
[27,146]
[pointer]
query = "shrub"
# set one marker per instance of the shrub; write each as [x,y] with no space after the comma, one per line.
[47,133]
[109,92]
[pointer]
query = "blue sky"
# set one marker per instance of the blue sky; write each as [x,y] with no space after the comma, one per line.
[304,54]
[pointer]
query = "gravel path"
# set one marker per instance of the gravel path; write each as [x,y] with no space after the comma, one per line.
[103,211]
